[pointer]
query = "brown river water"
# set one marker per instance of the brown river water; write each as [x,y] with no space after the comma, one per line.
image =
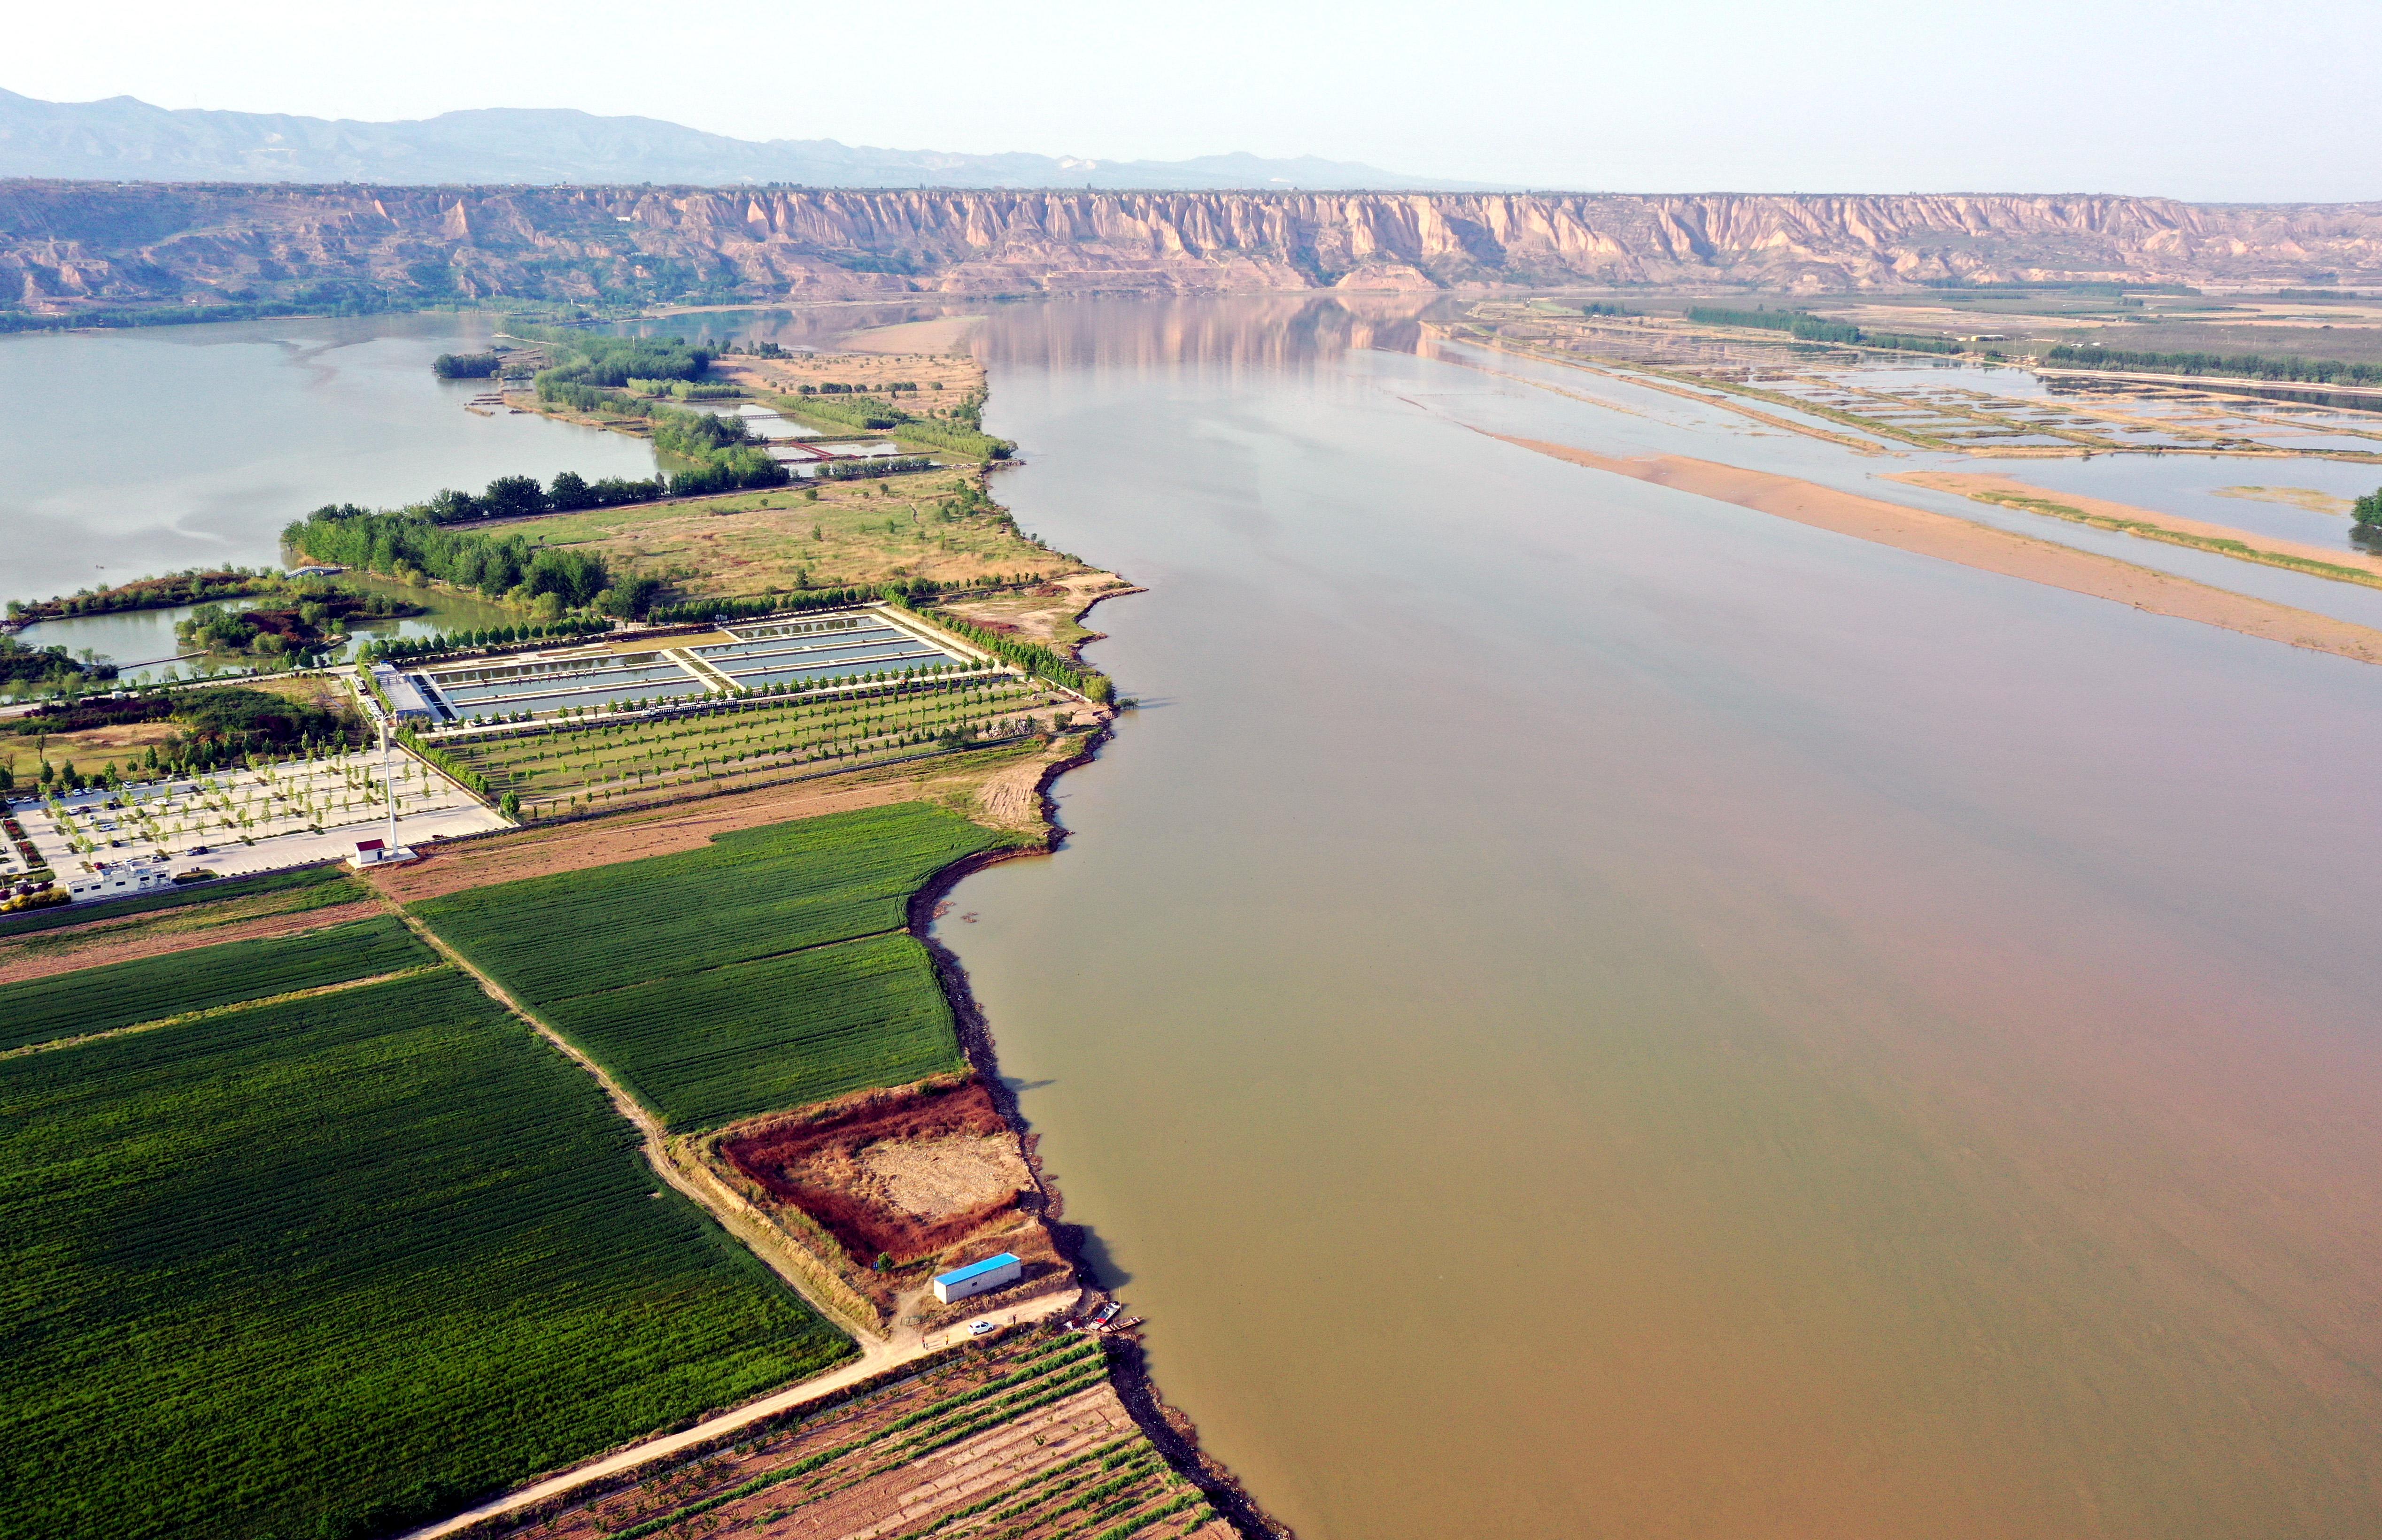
[1575,1009]
[1578,1009]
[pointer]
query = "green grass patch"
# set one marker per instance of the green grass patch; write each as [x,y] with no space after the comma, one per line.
[153,988]
[748,894]
[657,967]
[378,1248]
[330,882]
[2238,550]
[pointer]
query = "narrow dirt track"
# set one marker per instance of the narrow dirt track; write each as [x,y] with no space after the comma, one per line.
[100,950]
[907,1345]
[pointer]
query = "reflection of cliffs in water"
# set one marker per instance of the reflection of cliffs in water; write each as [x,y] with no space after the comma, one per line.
[1271,333]
[67,243]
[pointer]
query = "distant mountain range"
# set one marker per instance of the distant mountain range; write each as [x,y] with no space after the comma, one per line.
[125,140]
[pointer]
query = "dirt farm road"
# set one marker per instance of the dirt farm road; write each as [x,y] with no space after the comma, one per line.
[877,1355]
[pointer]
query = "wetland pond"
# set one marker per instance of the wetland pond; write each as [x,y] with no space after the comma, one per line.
[1575,1009]
[241,428]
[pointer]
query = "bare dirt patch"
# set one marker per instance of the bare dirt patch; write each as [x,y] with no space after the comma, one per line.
[939,375]
[126,940]
[903,1175]
[1050,613]
[959,782]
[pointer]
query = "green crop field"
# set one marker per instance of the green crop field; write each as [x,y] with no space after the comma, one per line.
[550,769]
[322,1268]
[746,895]
[643,963]
[710,1047]
[152,988]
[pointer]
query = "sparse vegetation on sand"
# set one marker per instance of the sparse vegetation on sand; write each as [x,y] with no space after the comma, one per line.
[710,982]
[334,1266]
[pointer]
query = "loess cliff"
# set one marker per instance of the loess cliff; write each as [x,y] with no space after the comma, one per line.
[75,246]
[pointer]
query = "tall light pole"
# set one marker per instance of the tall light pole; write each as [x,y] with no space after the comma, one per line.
[387,790]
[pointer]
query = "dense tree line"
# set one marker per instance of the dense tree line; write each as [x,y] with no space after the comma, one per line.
[684,390]
[2251,366]
[1800,324]
[223,725]
[192,587]
[864,412]
[858,469]
[727,458]
[518,496]
[962,433]
[494,636]
[45,668]
[465,366]
[2369,510]
[1032,656]
[1807,327]
[698,610]
[410,549]
[592,358]
[307,612]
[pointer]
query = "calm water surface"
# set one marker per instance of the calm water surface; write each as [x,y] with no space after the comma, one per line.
[1578,1009]
[137,452]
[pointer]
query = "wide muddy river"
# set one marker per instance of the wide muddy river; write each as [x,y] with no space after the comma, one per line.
[1575,1009]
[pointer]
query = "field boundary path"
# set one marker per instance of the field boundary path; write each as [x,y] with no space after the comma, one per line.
[186,1018]
[877,1354]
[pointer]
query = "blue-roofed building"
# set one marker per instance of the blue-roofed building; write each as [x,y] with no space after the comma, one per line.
[978,1277]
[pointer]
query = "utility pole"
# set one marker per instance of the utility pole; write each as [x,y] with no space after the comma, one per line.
[388,789]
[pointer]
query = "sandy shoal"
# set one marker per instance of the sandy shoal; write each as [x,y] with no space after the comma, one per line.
[1983,547]
[948,333]
[1984,488]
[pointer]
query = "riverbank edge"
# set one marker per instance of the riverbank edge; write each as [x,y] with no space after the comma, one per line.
[1168,1428]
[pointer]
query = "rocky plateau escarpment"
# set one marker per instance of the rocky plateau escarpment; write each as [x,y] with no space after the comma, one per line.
[82,246]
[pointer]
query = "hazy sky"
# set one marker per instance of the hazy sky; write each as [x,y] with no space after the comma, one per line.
[2192,99]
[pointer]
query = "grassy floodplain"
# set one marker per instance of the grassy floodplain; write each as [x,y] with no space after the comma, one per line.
[762,971]
[157,988]
[287,1264]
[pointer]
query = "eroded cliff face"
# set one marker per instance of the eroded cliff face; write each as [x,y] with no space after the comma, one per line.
[69,245]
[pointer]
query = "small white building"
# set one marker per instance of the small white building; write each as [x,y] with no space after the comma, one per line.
[117,879]
[978,1277]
